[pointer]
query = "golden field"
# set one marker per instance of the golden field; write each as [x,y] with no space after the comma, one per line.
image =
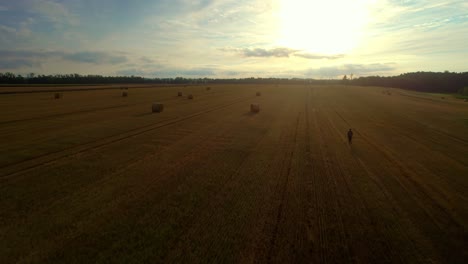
[97,177]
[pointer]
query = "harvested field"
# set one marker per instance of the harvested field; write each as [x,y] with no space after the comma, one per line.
[104,180]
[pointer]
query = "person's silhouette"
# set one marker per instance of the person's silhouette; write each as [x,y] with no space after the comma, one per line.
[350,136]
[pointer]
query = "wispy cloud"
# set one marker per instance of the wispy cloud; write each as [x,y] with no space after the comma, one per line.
[96,57]
[260,52]
[183,37]
[7,29]
[280,52]
[53,11]
[312,56]
[13,59]
[355,69]
[170,72]
[14,64]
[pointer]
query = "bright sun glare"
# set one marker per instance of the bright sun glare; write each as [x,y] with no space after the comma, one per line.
[322,26]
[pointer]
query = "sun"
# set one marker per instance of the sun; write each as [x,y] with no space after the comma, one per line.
[322,26]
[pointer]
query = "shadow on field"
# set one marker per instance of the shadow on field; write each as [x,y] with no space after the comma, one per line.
[249,113]
[143,114]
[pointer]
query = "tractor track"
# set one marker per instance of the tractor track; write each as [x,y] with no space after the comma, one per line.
[77,149]
[429,207]
[336,214]
[283,186]
[91,110]
[407,180]
[212,203]
[388,248]
[203,148]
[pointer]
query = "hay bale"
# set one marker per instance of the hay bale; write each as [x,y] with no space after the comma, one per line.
[254,108]
[442,97]
[179,94]
[208,88]
[258,94]
[190,96]
[58,95]
[157,107]
[124,94]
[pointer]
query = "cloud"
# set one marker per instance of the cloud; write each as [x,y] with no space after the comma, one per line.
[261,52]
[356,69]
[14,64]
[96,57]
[197,72]
[14,59]
[131,71]
[312,56]
[281,52]
[163,72]
[53,11]
[7,29]
[146,60]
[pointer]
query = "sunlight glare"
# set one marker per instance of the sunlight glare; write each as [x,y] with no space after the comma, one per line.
[322,26]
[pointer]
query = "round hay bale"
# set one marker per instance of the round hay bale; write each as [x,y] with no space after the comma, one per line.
[258,94]
[157,107]
[254,108]
[190,96]
[179,94]
[58,95]
[124,94]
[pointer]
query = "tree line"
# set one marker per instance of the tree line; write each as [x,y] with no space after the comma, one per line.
[443,82]
[435,82]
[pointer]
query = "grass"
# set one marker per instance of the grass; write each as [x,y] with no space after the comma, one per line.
[459,96]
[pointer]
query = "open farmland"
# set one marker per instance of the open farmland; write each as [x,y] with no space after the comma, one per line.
[97,177]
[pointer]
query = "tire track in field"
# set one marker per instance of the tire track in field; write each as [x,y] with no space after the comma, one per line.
[333,224]
[430,154]
[422,126]
[124,205]
[209,208]
[77,149]
[391,253]
[427,155]
[286,171]
[95,109]
[408,174]
[316,219]
[429,207]
[91,110]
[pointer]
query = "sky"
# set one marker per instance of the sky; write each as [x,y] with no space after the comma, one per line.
[233,38]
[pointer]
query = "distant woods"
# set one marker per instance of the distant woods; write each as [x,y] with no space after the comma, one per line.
[442,82]
[435,82]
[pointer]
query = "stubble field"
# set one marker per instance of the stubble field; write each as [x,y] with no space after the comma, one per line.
[95,177]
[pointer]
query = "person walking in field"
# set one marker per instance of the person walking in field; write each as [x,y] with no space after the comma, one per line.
[350,136]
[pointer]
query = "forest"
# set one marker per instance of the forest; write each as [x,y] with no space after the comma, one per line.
[440,82]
